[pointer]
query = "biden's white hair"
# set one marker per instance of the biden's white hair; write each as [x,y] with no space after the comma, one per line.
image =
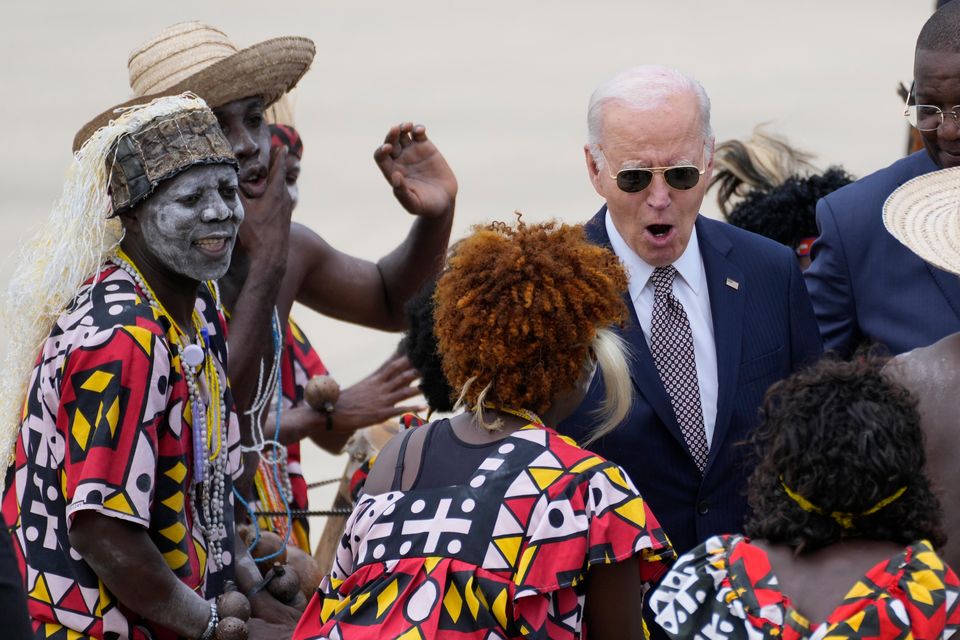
[642,88]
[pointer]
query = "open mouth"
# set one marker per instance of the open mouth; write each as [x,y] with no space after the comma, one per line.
[660,230]
[214,246]
[254,183]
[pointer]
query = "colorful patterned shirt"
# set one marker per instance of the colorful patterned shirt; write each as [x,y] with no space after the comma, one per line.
[107,428]
[725,589]
[502,556]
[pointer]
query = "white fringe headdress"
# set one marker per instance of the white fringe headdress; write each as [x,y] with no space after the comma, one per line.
[71,247]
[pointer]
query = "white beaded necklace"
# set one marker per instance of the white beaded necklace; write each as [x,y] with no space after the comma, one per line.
[209,463]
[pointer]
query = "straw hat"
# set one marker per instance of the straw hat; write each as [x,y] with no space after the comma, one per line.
[195,57]
[924,214]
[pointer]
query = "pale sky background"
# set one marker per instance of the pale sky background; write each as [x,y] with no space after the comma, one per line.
[501,85]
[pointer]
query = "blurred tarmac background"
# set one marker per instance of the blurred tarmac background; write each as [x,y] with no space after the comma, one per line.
[501,86]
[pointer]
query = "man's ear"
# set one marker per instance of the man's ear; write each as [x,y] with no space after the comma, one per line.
[130,220]
[708,168]
[592,169]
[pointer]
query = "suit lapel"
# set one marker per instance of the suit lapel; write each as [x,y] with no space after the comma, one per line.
[643,370]
[727,287]
[949,284]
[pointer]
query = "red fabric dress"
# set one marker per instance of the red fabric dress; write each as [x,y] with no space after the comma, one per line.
[725,589]
[501,556]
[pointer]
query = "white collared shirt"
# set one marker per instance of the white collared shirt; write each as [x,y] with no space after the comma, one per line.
[690,288]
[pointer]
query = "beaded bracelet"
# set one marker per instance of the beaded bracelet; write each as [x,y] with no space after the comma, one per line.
[212,624]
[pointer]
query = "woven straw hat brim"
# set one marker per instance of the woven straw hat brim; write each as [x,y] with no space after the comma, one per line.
[267,69]
[924,214]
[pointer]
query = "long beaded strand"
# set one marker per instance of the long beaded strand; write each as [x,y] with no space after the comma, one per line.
[209,465]
[272,387]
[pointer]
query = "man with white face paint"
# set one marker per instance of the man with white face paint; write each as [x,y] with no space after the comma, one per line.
[718,314]
[119,495]
[277,263]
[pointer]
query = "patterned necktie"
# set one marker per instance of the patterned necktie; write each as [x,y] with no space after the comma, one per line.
[671,343]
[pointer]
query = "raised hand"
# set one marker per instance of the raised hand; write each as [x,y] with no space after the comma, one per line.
[265,232]
[422,180]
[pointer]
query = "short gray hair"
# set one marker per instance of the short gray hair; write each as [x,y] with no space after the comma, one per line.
[642,87]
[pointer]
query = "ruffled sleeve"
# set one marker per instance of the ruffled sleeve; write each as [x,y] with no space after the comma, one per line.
[598,517]
[694,597]
[927,594]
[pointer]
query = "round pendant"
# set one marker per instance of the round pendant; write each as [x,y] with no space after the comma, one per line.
[192,355]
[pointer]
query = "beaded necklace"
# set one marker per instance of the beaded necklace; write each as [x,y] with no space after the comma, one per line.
[527,415]
[207,408]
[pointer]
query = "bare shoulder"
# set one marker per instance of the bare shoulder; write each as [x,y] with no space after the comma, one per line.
[939,362]
[304,241]
[381,475]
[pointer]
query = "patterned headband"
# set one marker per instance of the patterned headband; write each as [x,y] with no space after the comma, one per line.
[285,135]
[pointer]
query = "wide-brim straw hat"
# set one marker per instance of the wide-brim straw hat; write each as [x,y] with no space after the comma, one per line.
[924,214]
[195,57]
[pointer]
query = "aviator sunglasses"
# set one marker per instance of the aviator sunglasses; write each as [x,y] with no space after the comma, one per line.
[679,177]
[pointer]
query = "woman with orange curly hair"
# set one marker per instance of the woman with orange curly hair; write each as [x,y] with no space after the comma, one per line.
[489,524]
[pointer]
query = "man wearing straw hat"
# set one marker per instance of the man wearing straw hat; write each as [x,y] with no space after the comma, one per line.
[924,214]
[239,84]
[119,493]
[866,287]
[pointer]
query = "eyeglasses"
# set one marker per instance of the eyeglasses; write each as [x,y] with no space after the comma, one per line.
[926,117]
[680,177]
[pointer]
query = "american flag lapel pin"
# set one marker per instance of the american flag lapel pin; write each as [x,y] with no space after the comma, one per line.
[733,284]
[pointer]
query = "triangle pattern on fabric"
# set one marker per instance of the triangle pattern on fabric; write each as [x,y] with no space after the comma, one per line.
[522,486]
[507,524]
[544,477]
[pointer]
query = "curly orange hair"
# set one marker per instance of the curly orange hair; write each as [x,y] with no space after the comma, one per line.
[518,307]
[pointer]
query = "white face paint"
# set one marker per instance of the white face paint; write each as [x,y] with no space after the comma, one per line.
[293,175]
[190,222]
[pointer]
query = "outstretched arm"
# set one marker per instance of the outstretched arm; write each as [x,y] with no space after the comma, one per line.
[373,294]
[371,401]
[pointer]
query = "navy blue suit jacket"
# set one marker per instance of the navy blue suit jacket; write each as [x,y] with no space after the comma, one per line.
[867,287]
[764,329]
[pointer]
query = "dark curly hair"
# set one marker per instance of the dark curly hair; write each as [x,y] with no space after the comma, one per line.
[420,346]
[517,309]
[774,187]
[787,213]
[844,437]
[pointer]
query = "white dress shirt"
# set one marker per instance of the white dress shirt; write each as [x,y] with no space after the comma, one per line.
[690,288]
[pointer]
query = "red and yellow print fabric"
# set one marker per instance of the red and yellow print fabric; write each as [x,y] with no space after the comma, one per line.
[107,427]
[501,556]
[725,589]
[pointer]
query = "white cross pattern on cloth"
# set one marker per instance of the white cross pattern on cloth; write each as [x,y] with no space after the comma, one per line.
[671,344]
[437,525]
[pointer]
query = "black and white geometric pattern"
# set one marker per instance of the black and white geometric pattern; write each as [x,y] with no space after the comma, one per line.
[671,343]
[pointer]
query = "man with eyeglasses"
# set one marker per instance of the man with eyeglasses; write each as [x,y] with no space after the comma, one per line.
[865,286]
[717,314]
